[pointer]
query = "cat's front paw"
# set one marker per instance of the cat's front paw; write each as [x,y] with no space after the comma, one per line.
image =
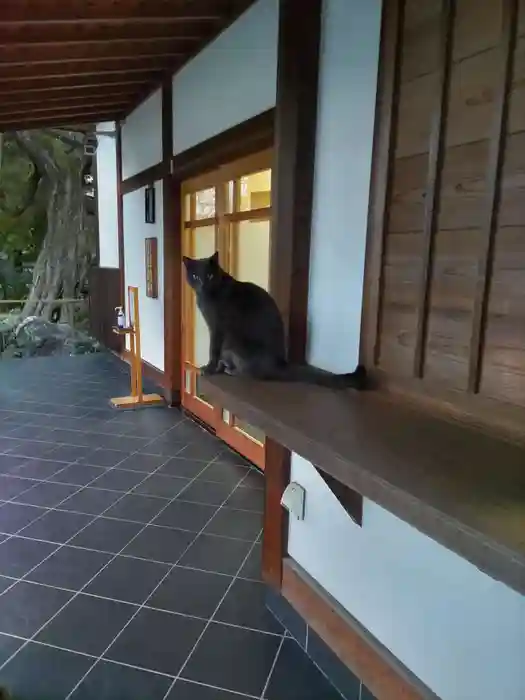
[207,370]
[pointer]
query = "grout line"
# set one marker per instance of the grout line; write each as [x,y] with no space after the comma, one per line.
[155,590]
[211,619]
[113,557]
[274,664]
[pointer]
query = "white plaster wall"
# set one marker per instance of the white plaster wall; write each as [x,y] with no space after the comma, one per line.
[107,196]
[135,233]
[142,136]
[232,80]
[459,631]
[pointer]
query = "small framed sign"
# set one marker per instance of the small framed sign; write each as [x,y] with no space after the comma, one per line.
[152,277]
[149,204]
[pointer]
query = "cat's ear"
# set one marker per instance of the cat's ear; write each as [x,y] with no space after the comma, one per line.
[185,260]
[215,258]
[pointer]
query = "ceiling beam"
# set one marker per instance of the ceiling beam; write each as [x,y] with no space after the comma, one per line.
[102,11]
[46,85]
[96,94]
[14,112]
[81,68]
[71,121]
[52,55]
[31,34]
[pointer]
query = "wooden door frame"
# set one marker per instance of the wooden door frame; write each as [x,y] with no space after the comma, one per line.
[218,179]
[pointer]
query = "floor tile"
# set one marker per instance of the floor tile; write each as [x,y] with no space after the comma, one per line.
[47,494]
[69,453]
[104,458]
[254,479]
[207,492]
[71,437]
[130,580]
[190,592]
[18,556]
[141,509]
[107,535]
[27,606]
[110,681]
[170,638]
[204,450]
[143,463]
[91,501]
[56,526]
[340,675]
[160,544]
[5,583]
[247,499]
[11,486]
[245,606]
[98,620]
[297,678]
[366,694]
[216,554]
[30,448]
[8,646]
[184,690]
[226,455]
[14,516]
[242,524]
[124,443]
[224,473]
[80,474]
[185,515]
[162,486]
[118,480]
[253,565]
[41,673]
[10,464]
[69,568]
[40,468]
[187,468]
[224,648]
[164,448]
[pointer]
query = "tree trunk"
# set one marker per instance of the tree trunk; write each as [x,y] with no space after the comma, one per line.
[69,245]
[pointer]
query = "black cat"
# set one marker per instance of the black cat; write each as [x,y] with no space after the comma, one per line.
[247,335]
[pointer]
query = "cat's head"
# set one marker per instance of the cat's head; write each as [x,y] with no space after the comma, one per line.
[202,273]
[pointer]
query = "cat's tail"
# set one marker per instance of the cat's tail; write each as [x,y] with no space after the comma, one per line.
[313,375]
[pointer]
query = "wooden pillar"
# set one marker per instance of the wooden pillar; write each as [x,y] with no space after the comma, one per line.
[292,194]
[172,255]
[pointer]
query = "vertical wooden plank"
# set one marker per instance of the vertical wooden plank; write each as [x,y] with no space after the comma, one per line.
[120,214]
[382,158]
[292,197]
[172,256]
[435,165]
[493,189]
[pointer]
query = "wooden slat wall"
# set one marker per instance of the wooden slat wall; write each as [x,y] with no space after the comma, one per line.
[104,296]
[451,294]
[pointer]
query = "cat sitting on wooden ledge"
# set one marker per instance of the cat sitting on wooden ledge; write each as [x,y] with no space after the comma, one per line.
[247,337]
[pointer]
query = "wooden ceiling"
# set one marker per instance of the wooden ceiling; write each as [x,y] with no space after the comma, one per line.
[63,62]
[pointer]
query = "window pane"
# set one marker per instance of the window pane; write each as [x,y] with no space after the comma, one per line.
[205,203]
[255,190]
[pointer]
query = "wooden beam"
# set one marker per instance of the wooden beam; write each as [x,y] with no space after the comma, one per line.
[292,198]
[12,87]
[100,12]
[145,177]
[493,192]
[37,110]
[110,66]
[33,33]
[172,215]
[55,120]
[433,185]
[92,50]
[64,97]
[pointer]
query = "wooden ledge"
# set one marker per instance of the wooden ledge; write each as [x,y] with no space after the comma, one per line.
[456,484]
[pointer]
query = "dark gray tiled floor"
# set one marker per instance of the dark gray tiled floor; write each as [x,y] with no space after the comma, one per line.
[129,552]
